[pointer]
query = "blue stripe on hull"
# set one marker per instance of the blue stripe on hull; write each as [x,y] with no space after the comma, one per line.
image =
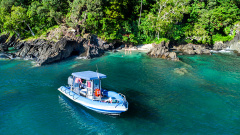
[99,110]
[104,111]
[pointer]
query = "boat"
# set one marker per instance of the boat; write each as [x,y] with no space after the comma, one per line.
[85,88]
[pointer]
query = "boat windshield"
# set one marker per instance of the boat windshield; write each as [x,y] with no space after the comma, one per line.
[96,84]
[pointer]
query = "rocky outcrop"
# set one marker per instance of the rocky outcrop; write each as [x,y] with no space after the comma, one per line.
[191,49]
[3,46]
[162,51]
[55,52]
[7,55]
[45,52]
[235,43]
[219,45]
[7,41]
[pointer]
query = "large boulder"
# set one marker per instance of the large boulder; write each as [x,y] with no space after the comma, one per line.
[219,45]
[97,41]
[235,43]
[173,56]
[162,51]
[191,49]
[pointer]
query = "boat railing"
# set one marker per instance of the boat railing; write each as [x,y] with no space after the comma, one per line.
[68,92]
[124,100]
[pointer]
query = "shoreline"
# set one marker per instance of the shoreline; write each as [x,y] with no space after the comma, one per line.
[28,49]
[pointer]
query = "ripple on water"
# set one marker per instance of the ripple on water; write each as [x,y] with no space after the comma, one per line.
[205,100]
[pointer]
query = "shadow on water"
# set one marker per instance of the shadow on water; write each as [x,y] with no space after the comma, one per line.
[138,108]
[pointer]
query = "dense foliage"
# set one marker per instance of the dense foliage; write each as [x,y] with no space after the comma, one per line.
[130,21]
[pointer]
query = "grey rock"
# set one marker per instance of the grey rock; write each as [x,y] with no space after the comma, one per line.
[46,52]
[24,51]
[189,52]
[235,43]
[4,56]
[11,41]
[3,47]
[206,51]
[7,56]
[61,50]
[6,42]
[191,49]
[173,56]
[121,47]
[162,51]
[19,45]
[198,51]
[11,55]
[219,46]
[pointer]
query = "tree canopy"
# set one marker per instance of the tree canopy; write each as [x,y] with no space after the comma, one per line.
[129,21]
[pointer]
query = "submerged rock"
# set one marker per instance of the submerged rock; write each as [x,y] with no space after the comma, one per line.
[180,71]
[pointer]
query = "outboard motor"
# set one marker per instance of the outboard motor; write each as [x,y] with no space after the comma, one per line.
[70,81]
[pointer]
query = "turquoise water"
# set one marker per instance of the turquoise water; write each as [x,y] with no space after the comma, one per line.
[204,99]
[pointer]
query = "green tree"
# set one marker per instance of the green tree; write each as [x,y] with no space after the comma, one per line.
[85,14]
[211,18]
[17,21]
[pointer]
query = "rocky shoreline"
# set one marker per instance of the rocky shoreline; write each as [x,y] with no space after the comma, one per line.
[46,51]
[163,50]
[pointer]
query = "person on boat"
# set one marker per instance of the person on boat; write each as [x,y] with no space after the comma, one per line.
[82,85]
[78,82]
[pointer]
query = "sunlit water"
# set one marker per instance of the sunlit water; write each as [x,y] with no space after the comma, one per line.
[204,99]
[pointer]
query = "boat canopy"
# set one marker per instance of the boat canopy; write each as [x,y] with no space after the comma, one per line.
[89,75]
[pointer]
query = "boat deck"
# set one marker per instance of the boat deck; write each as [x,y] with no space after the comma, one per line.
[83,92]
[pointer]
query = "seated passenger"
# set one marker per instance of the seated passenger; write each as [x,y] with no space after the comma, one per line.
[78,82]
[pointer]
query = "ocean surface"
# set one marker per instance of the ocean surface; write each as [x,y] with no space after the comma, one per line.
[199,95]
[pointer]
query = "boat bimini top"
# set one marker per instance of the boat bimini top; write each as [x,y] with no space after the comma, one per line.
[89,75]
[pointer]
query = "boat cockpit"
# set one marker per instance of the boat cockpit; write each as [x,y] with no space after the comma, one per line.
[89,87]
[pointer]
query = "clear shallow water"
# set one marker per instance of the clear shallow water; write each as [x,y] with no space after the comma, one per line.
[203,100]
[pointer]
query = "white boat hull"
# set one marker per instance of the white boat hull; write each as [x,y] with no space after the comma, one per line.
[101,107]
